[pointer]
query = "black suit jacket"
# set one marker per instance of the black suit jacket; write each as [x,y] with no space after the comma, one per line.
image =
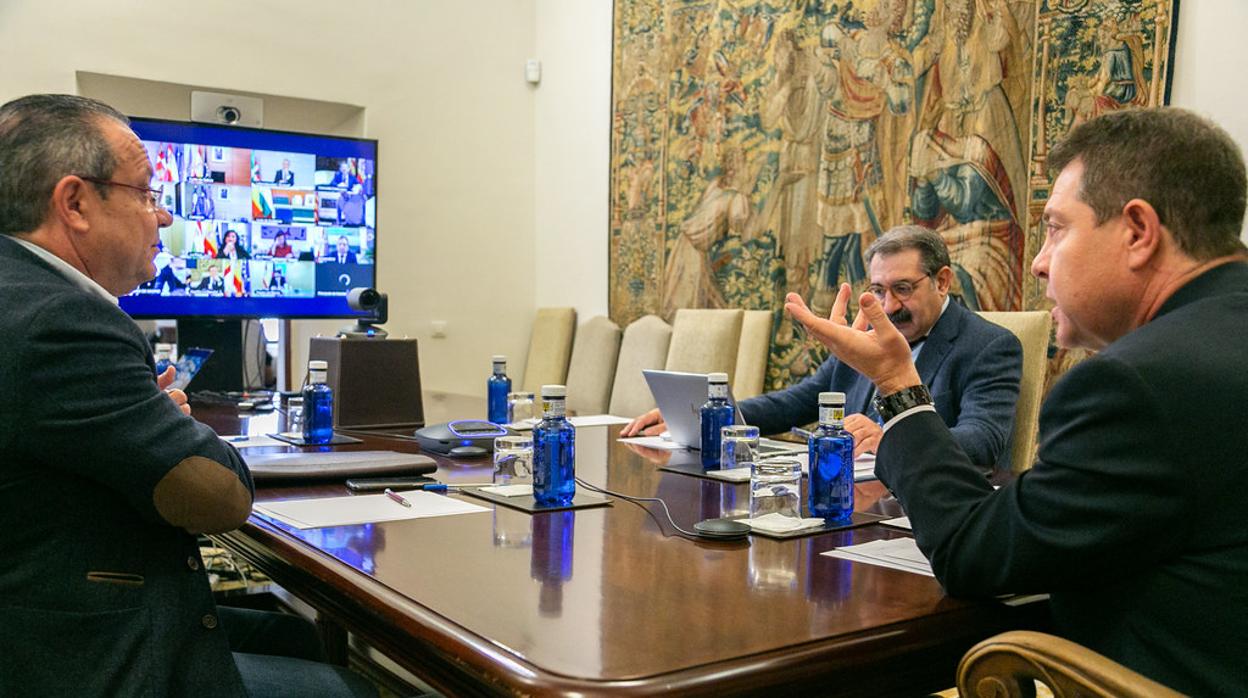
[288,179]
[99,596]
[971,366]
[1135,515]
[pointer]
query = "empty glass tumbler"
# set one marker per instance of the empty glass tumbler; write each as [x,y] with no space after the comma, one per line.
[738,446]
[513,460]
[519,407]
[776,487]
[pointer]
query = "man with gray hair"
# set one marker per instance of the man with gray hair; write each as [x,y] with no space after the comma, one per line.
[972,365]
[1133,517]
[105,480]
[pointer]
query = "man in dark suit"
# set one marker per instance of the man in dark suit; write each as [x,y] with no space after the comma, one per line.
[106,482]
[972,365]
[1134,515]
[343,253]
[284,176]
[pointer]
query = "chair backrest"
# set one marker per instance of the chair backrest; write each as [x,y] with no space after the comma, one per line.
[752,353]
[1032,330]
[705,341]
[592,368]
[1008,665]
[644,346]
[550,347]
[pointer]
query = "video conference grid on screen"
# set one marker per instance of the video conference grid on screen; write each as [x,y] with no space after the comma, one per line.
[252,223]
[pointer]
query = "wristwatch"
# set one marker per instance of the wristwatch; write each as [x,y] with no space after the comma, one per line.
[889,406]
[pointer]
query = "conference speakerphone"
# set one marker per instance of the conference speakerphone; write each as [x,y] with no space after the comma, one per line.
[463,437]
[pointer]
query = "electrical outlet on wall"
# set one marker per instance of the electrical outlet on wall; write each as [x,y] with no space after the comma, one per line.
[439,329]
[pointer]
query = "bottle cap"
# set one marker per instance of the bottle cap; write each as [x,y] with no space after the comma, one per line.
[318,365]
[554,391]
[831,398]
[499,358]
[717,378]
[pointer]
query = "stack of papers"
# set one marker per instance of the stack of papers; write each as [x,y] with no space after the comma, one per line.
[898,554]
[371,508]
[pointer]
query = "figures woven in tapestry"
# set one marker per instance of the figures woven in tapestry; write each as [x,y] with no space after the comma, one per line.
[760,147]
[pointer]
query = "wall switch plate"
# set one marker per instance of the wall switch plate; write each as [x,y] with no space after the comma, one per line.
[439,329]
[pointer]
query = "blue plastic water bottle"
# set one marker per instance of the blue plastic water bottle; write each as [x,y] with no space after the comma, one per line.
[831,456]
[554,451]
[164,357]
[497,388]
[716,414]
[318,405]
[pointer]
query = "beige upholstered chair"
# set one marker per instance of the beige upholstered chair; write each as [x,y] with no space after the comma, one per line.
[752,353]
[644,346]
[549,348]
[1032,330]
[1009,665]
[592,369]
[705,341]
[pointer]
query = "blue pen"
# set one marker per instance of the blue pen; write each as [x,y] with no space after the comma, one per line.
[237,439]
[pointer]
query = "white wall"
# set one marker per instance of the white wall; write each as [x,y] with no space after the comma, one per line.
[443,89]
[573,119]
[1210,61]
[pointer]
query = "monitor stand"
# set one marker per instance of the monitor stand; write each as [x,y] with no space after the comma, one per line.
[224,371]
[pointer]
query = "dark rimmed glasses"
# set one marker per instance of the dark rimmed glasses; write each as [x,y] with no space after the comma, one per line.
[153,196]
[902,290]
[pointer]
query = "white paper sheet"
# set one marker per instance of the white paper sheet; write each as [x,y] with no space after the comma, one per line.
[247,441]
[597,420]
[776,522]
[509,490]
[369,508]
[653,442]
[731,474]
[899,522]
[864,465]
[897,553]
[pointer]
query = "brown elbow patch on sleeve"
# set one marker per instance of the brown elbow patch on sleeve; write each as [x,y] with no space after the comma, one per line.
[202,496]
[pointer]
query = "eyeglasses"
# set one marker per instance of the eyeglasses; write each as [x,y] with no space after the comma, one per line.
[153,196]
[902,290]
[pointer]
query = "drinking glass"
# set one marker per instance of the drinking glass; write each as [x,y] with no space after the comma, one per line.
[776,486]
[519,407]
[513,460]
[294,415]
[738,446]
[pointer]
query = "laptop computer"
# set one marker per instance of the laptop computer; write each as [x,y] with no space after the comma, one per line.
[680,397]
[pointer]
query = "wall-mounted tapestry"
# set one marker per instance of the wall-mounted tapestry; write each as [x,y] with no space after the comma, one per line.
[759,147]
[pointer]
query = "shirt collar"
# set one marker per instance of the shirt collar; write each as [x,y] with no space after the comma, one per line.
[67,270]
[918,343]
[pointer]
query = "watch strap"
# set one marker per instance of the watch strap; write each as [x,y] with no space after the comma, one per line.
[889,406]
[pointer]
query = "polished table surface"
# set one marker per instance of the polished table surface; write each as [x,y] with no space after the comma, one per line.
[609,600]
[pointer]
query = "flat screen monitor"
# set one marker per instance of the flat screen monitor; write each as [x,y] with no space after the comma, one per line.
[265,223]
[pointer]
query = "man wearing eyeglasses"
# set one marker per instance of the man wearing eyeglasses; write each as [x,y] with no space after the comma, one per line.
[972,366]
[105,481]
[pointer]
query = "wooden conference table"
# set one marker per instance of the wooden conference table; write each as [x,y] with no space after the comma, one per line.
[608,601]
